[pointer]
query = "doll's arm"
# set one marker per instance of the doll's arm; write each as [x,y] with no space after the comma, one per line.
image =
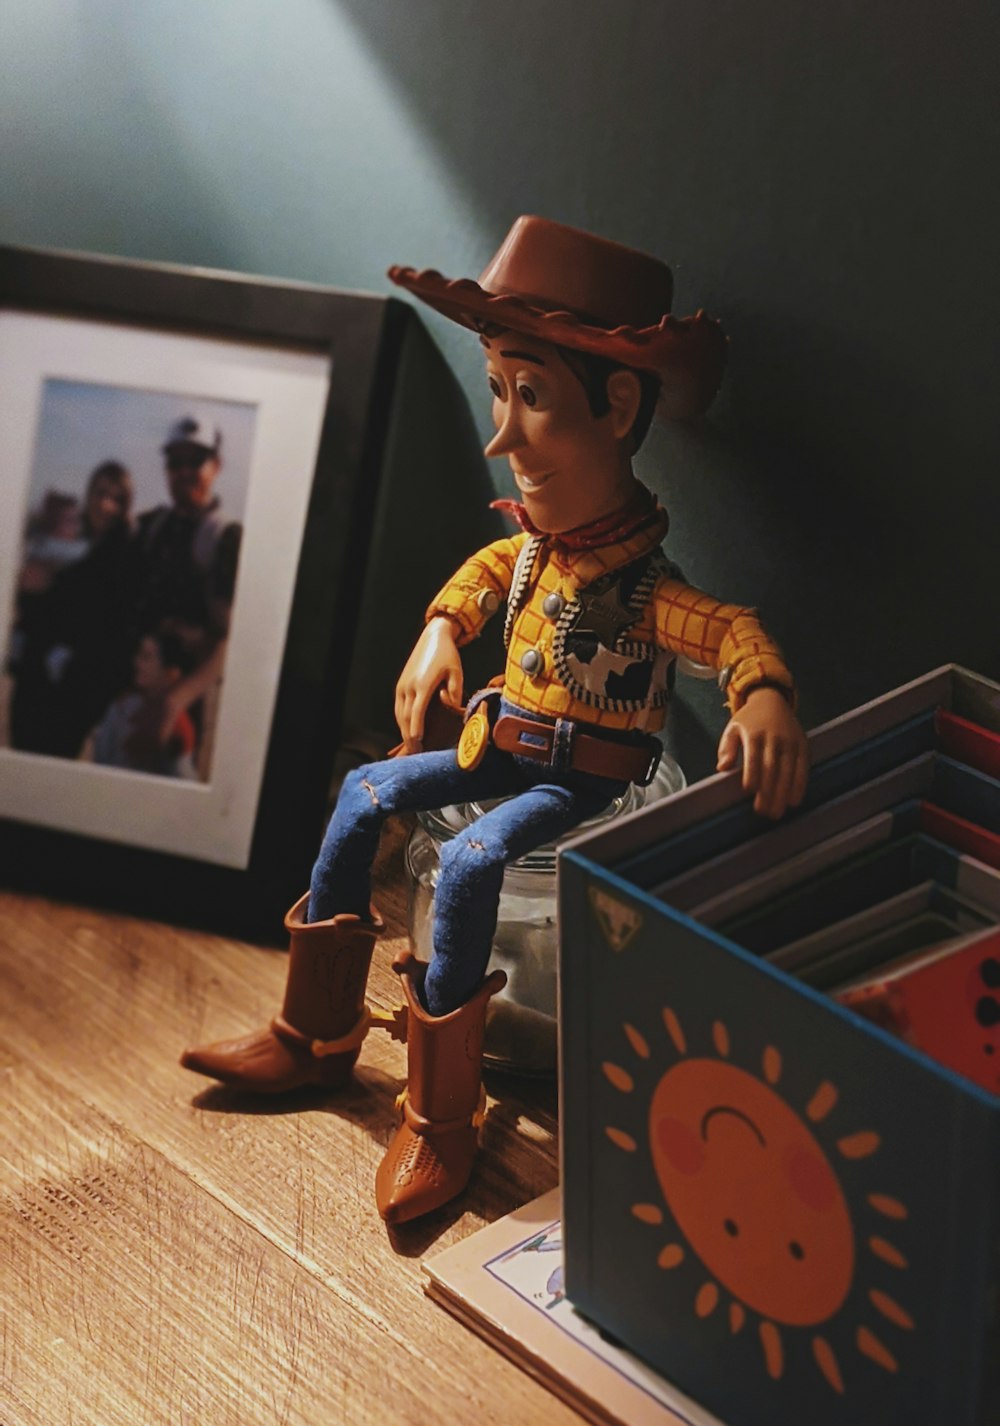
[434,663]
[775,754]
[723,636]
[759,688]
[456,615]
[475,592]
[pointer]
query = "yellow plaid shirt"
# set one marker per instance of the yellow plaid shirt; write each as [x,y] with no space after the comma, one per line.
[677,617]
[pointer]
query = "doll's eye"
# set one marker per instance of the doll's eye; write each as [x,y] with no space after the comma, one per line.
[527,395]
[494,386]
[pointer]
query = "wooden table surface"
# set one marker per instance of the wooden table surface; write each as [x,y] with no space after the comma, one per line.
[174,1252]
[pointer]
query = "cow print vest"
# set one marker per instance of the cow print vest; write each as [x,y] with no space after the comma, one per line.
[592,655]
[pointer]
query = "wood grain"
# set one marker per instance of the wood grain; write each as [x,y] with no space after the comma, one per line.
[176,1252]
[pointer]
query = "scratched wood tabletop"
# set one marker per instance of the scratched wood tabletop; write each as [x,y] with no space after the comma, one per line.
[174,1252]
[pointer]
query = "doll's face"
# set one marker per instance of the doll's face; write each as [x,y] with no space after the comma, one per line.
[570,466]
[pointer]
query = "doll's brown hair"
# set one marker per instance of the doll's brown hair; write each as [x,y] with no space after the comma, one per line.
[593,372]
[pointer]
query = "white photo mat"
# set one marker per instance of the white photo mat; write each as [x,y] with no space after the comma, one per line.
[211,822]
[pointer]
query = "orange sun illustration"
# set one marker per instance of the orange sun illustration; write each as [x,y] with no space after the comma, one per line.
[756,1198]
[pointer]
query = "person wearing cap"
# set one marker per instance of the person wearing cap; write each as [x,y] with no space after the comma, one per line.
[579,345]
[187,554]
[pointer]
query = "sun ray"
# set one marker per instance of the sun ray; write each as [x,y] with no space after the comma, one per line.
[873,1348]
[707,1300]
[859,1146]
[674,1030]
[671,1255]
[888,1308]
[637,1041]
[822,1102]
[621,1079]
[736,1317]
[720,1038]
[620,1139]
[890,1207]
[774,1355]
[885,1250]
[647,1213]
[827,1363]
[772,1065]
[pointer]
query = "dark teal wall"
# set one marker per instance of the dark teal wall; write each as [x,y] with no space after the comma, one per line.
[822,177]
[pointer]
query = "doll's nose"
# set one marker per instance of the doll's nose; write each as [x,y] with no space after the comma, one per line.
[509,434]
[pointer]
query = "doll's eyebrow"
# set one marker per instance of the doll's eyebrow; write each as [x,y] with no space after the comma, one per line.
[523,356]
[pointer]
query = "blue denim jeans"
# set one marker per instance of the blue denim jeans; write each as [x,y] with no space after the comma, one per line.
[542,805]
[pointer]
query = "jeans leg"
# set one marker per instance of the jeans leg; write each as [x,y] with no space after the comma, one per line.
[472,869]
[341,876]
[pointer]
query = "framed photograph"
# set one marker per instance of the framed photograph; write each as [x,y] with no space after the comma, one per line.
[191,467]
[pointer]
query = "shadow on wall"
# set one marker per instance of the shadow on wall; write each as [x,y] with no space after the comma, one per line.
[845,498]
[816,180]
[433,513]
[881,526]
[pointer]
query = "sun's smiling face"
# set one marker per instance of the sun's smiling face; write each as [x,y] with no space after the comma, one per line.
[752,1191]
[756,1198]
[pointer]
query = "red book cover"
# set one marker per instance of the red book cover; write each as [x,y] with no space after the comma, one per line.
[960,833]
[944,1003]
[968,742]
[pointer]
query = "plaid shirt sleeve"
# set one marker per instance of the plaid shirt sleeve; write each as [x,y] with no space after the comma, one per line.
[475,592]
[723,636]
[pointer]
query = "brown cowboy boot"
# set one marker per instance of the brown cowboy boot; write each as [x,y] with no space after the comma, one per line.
[324,1019]
[431,1154]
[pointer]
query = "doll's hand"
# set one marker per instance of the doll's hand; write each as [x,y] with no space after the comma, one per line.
[775,757]
[434,662]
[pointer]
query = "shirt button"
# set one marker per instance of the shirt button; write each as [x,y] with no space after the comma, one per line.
[553,605]
[532,662]
[488,601]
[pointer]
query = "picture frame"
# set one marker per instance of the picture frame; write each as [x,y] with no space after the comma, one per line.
[309,375]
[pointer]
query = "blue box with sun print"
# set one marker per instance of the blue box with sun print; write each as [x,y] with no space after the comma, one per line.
[784,1209]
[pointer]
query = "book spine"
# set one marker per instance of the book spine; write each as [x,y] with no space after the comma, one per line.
[968,1368]
[988,1413]
[576,988]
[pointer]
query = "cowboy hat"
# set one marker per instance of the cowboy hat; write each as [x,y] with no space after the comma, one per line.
[573,289]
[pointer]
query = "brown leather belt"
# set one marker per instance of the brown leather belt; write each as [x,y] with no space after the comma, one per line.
[622,762]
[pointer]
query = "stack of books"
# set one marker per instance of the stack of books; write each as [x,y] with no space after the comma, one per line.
[506,1284]
[779,1073]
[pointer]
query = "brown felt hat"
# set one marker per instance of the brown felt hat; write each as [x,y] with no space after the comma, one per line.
[568,287]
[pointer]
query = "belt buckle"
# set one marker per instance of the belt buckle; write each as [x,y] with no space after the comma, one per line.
[475,740]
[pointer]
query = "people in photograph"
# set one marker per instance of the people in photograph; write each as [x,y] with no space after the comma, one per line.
[54,538]
[71,647]
[187,553]
[139,731]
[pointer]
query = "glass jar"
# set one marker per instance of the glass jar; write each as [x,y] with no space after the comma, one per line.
[521,1030]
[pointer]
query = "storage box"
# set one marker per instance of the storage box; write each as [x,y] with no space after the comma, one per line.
[783,1208]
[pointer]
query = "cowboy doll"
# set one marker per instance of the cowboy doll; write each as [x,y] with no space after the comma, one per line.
[579,347]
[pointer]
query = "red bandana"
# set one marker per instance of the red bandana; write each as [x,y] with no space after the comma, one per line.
[638,511]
